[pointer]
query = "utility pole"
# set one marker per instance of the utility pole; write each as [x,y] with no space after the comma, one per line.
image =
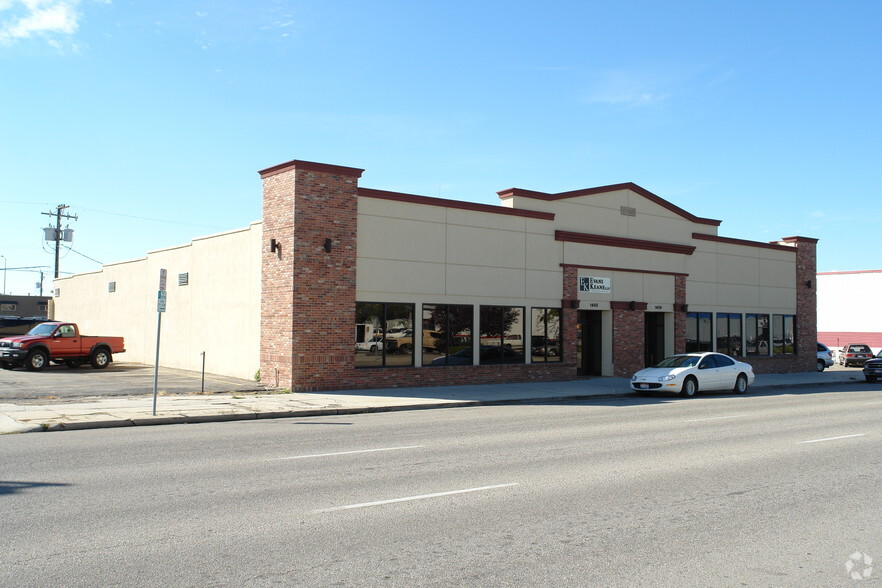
[58,214]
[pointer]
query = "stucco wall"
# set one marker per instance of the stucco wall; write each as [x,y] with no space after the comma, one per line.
[217,312]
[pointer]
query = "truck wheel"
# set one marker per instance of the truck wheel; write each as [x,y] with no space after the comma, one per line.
[36,360]
[406,348]
[73,363]
[100,358]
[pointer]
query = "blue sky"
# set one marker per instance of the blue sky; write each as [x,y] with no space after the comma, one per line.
[151,119]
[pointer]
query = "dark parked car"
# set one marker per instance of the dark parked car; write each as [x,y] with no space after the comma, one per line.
[855,354]
[489,354]
[873,368]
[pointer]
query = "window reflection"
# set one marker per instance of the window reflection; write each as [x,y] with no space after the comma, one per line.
[545,339]
[502,335]
[383,334]
[447,334]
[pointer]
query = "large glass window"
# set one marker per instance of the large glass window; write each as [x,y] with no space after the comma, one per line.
[383,334]
[756,334]
[502,334]
[698,331]
[783,334]
[545,340]
[447,334]
[729,334]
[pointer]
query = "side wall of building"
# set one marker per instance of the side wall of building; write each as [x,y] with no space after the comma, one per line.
[213,304]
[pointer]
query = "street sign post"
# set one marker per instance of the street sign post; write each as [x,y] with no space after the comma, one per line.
[160,308]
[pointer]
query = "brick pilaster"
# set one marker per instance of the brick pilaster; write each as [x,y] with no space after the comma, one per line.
[308,299]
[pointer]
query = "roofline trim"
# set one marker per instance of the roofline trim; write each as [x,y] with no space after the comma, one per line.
[611,188]
[310,166]
[744,242]
[606,240]
[458,204]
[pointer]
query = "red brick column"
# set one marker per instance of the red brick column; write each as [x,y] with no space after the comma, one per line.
[680,314]
[308,286]
[806,302]
[570,312]
[628,332]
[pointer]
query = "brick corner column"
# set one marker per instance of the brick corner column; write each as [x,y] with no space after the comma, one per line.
[806,300]
[310,217]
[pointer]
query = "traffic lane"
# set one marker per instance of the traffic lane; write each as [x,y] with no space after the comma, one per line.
[480,495]
[59,382]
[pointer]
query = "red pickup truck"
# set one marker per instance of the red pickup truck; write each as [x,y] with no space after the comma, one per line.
[59,343]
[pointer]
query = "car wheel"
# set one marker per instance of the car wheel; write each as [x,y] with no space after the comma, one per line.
[100,358]
[36,360]
[690,387]
[552,352]
[740,384]
[821,365]
[406,348]
[373,348]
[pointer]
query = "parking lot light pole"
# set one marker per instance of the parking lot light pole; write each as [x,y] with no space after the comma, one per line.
[4,274]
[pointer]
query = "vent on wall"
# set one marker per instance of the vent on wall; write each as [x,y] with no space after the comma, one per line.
[628,211]
[183,279]
[111,286]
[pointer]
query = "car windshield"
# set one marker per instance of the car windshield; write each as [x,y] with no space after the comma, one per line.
[43,329]
[678,361]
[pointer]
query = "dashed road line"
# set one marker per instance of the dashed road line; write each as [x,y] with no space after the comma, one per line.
[349,452]
[409,498]
[834,438]
[734,416]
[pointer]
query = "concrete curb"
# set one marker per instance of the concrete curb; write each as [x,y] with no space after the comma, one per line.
[10,425]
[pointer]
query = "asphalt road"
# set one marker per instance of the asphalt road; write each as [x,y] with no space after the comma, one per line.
[771,489]
[59,382]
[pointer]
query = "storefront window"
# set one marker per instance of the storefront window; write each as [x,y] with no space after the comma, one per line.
[545,340]
[729,334]
[698,331]
[383,334]
[756,333]
[502,334]
[783,334]
[447,334]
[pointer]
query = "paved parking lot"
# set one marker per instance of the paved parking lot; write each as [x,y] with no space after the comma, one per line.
[60,383]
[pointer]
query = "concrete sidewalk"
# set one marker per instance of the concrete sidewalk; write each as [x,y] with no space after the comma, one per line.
[121,411]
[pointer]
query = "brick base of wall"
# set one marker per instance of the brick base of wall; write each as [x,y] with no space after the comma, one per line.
[370,378]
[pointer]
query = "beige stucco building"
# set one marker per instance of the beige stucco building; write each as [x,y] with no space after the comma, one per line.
[342,286]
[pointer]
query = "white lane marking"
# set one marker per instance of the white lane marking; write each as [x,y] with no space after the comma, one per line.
[869,403]
[409,498]
[833,438]
[734,416]
[349,452]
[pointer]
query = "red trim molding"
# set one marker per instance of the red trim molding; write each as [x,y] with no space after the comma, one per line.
[611,188]
[623,269]
[605,240]
[446,203]
[632,305]
[746,243]
[310,166]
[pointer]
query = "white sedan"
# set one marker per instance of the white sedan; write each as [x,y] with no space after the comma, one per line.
[688,373]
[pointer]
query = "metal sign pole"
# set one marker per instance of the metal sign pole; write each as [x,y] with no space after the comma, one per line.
[160,308]
[156,363]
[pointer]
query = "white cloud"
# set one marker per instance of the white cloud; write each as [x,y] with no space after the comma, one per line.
[628,89]
[46,18]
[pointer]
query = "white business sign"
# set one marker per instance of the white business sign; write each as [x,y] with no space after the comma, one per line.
[595,285]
